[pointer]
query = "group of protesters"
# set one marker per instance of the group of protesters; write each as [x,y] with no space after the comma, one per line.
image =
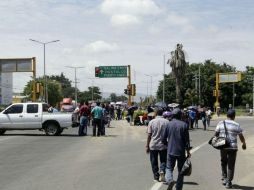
[193,115]
[169,141]
[98,114]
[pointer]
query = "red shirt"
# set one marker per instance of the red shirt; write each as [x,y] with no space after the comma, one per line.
[84,111]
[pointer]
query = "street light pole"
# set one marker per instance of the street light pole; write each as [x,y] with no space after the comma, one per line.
[92,86]
[163,94]
[151,89]
[233,106]
[45,91]
[76,93]
[199,91]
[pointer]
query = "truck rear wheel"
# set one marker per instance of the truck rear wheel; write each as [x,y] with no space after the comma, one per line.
[60,131]
[52,129]
[2,131]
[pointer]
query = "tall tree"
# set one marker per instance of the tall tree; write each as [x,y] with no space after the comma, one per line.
[67,89]
[54,91]
[178,65]
[93,93]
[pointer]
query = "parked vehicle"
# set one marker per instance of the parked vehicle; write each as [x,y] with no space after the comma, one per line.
[67,105]
[32,116]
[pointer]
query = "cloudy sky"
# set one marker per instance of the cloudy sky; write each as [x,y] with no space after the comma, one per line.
[124,32]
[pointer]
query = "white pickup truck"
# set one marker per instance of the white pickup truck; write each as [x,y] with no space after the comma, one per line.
[32,116]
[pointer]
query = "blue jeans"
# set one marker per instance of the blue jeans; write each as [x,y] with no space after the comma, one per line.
[171,161]
[154,162]
[83,126]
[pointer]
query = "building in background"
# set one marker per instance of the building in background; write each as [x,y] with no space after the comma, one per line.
[6,86]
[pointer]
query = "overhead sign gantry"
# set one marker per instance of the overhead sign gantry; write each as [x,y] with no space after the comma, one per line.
[8,65]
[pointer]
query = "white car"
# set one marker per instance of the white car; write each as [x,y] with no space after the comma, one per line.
[32,116]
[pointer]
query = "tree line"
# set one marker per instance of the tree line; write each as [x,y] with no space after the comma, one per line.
[189,91]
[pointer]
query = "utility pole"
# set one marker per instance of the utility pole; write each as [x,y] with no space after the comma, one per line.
[199,91]
[196,83]
[217,93]
[92,88]
[163,96]
[76,93]
[151,89]
[129,83]
[233,106]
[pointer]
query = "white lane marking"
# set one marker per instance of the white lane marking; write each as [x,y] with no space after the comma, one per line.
[158,185]
[198,147]
[4,139]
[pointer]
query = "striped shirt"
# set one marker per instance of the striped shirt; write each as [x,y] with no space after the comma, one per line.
[233,129]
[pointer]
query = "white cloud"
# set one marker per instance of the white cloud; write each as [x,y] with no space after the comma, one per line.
[128,12]
[101,47]
[133,7]
[176,19]
[123,20]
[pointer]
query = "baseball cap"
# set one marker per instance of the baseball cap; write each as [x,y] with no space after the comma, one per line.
[231,113]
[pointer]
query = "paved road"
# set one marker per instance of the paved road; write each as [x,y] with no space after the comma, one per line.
[31,161]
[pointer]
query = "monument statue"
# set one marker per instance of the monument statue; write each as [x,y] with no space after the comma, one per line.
[178,65]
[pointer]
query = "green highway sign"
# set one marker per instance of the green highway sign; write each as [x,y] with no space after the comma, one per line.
[111,71]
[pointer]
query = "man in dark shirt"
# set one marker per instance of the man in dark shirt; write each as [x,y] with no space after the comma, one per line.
[176,137]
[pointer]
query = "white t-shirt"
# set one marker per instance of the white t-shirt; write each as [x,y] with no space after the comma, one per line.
[233,129]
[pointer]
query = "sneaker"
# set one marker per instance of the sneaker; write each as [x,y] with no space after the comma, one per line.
[171,185]
[156,179]
[228,185]
[224,182]
[162,177]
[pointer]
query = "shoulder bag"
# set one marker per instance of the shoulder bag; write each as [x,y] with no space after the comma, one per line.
[220,142]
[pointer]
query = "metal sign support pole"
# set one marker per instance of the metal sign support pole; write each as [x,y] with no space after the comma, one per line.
[217,93]
[34,78]
[129,83]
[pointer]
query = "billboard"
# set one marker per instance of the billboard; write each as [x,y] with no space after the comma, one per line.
[16,65]
[229,77]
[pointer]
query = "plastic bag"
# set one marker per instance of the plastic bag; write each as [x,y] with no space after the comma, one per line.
[187,168]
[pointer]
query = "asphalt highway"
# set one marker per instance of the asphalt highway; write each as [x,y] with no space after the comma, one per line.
[29,160]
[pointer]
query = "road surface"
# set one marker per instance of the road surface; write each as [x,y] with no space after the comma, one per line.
[29,160]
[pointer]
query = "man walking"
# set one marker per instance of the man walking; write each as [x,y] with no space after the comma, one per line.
[176,136]
[228,155]
[84,113]
[97,114]
[155,131]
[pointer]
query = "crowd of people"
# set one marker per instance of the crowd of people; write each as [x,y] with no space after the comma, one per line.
[169,142]
[191,115]
[99,115]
